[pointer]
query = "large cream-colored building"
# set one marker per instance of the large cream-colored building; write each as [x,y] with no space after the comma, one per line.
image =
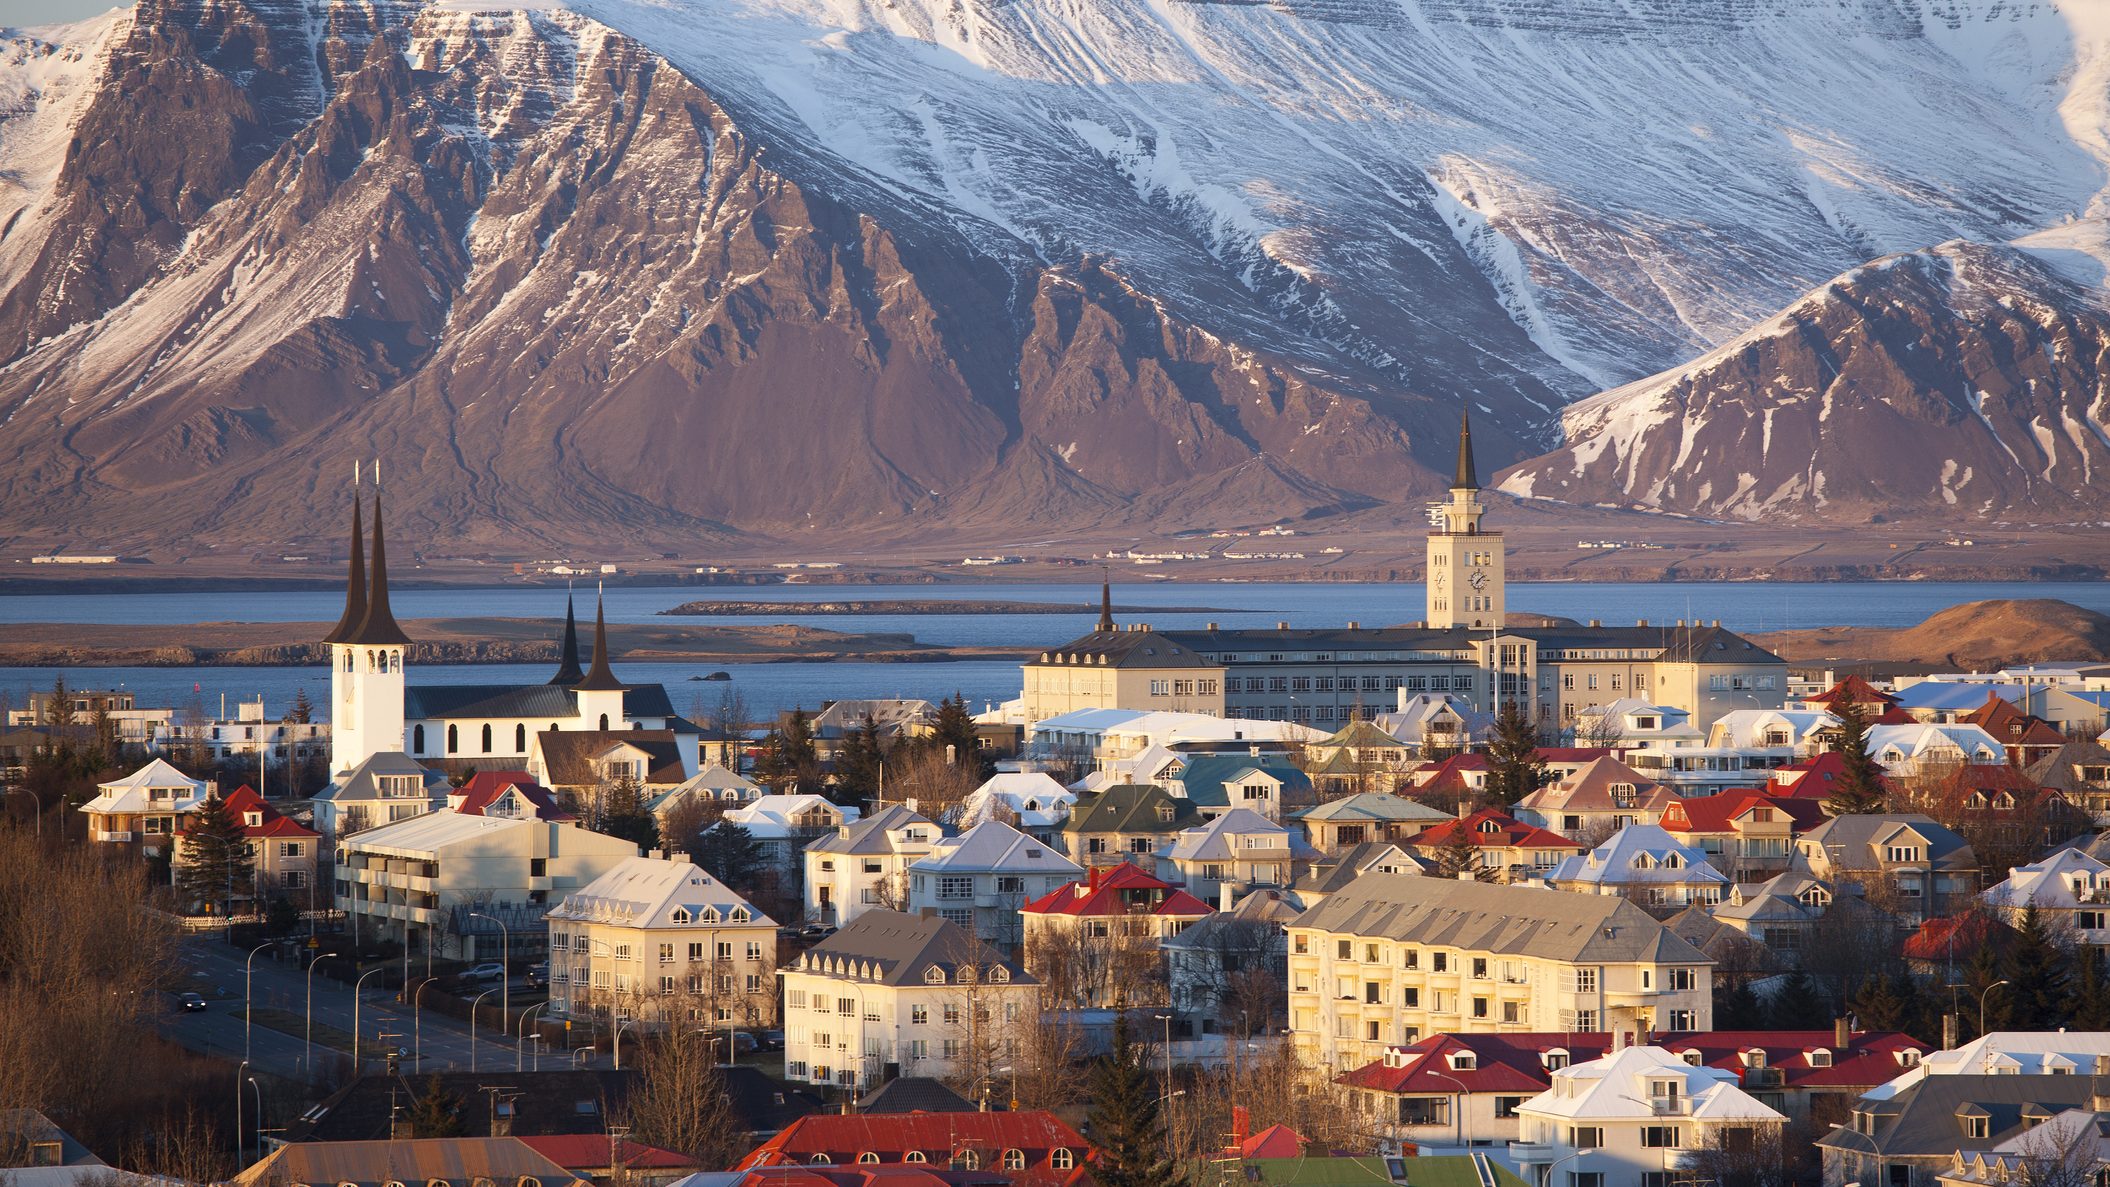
[659,940]
[1394,957]
[418,880]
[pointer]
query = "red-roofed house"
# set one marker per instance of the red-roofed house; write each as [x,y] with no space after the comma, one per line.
[512,794]
[867,1175]
[587,1156]
[2028,738]
[1748,835]
[1031,1148]
[283,849]
[1276,1141]
[1810,779]
[1517,851]
[1871,700]
[1945,942]
[1088,939]
[1451,1089]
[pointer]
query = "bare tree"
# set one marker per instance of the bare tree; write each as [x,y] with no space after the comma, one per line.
[1742,1156]
[2065,1152]
[1096,963]
[938,787]
[680,1103]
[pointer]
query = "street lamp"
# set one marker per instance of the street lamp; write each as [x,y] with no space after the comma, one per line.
[626,1024]
[1550,1167]
[521,1048]
[355,1018]
[1166,1018]
[1981,1003]
[505,960]
[473,1006]
[1463,1096]
[36,810]
[259,1090]
[240,1074]
[247,970]
[307,1056]
[417,1026]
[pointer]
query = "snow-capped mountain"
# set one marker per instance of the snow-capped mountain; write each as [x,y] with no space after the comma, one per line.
[688,266]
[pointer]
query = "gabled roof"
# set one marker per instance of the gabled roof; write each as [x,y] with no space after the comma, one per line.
[1510,920]
[1126,649]
[589,1152]
[1119,890]
[896,948]
[534,702]
[129,794]
[1371,805]
[568,755]
[2059,770]
[1944,936]
[1855,690]
[486,788]
[1712,814]
[843,1137]
[1214,840]
[658,892]
[712,782]
[1590,790]
[1362,734]
[994,846]
[1490,828]
[913,1094]
[2050,882]
[1616,1086]
[1852,840]
[1921,1119]
[870,834]
[1330,873]
[892,716]
[360,785]
[1640,854]
[409,1160]
[1206,775]
[1131,808]
[244,799]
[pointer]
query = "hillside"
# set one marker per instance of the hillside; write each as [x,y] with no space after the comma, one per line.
[1974,635]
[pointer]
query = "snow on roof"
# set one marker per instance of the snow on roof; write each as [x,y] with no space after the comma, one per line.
[658,892]
[1619,1087]
[994,845]
[133,793]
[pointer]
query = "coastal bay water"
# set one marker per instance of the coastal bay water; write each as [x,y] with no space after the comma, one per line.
[1744,606]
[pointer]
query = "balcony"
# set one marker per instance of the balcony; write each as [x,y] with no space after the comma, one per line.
[105,835]
[1533,1152]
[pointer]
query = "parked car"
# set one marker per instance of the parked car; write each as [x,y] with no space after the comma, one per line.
[486,972]
[191,1002]
[772,1040]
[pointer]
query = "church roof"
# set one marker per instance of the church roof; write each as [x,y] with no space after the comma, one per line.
[377,627]
[425,702]
[599,678]
[1468,477]
[568,672]
[354,584]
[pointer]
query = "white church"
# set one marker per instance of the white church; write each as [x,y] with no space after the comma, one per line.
[393,743]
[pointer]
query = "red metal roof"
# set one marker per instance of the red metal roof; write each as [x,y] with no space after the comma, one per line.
[484,788]
[1118,890]
[890,1137]
[588,1151]
[1713,813]
[1511,1063]
[1946,936]
[1507,833]
[1853,689]
[244,799]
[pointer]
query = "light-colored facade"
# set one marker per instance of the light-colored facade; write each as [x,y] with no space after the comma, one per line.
[863,865]
[1467,582]
[1917,868]
[2070,892]
[143,807]
[1234,853]
[661,941]
[1647,865]
[1135,668]
[1636,1118]
[905,993]
[981,878]
[1394,957]
[409,880]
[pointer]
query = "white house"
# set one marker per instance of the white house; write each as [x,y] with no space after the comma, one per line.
[2069,890]
[981,878]
[385,786]
[143,806]
[864,864]
[714,785]
[1435,721]
[1237,851]
[1633,1118]
[1801,730]
[1032,800]
[1646,864]
[1905,750]
[1631,721]
[911,991]
[786,824]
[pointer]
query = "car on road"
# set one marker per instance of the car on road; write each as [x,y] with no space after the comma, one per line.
[486,972]
[191,1002]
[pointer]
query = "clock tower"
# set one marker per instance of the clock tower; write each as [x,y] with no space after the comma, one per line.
[1466,585]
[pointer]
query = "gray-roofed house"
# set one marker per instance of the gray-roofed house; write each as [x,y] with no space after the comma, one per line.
[1358,819]
[1238,851]
[713,785]
[582,762]
[1909,1137]
[863,864]
[1210,965]
[1644,863]
[1126,822]
[2080,771]
[387,786]
[981,878]
[1394,957]
[1333,872]
[1912,867]
[895,993]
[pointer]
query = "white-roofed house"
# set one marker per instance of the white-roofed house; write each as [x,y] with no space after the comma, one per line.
[1641,1115]
[1236,852]
[143,806]
[661,941]
[1804,731]
[1631,721]
[1646,864]
[2069,890]
[419,880]
[784,824]
[863,864]
[1435,722]
[981,878]
[1032,801]
[714,786]
[1907,750]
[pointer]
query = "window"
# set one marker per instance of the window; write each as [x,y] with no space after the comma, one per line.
[919,1015]
[1014,1160]
[1506,1107]
[1659,1137]
[955,887]
[1586,980]
[1062,1159]
[1585,1137]
[1684,979]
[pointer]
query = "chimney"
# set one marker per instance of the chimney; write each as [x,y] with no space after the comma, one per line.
[1715,622]
[1354,626]
[1241,1125]
[1948,1032]
[1596,622]
[1212,626]
[1842,1034]
[1281,626]
[1641,622]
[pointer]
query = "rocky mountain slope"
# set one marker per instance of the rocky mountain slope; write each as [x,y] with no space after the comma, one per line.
[684,268]
[1974,636]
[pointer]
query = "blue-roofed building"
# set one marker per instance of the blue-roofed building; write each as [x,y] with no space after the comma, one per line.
[1269,784]
[1944,702]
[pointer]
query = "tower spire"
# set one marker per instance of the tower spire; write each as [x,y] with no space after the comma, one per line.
[378,625]
[598,677]
[1468,477]
[354,583]
[568,672]
[1106,603]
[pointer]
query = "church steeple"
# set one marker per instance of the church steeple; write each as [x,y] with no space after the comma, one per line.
[568,672]
[598,677]
[1106,607]
[377,627]
[1468,477]
[354,584]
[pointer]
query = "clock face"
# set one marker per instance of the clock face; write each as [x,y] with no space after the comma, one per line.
[1479,579]
[1439,579]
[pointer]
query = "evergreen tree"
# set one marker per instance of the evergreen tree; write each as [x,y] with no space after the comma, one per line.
[2035,969]
[1979,976]
[623,814]
[954,727]
[1736,1007]
[1124,1120]
[857,763]
[1458,856]
[436,1113]
[788,755]
[731,854]
[1513,766]
[1859,788]
[217,865]
[2088,997]
[303,708]
[60,710]
[1878,1007]
[1795,1004]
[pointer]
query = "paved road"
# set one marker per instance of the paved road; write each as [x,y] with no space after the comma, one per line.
[437,1042]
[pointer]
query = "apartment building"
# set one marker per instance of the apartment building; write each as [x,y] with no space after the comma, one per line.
[863,865]
[662,942]
[982,877]
[1394,957]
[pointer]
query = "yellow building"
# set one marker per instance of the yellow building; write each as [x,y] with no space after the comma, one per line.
[1395,957]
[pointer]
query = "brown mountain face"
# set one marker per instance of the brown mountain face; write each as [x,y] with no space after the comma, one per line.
[1976,635]
[562,293]
[1965,381]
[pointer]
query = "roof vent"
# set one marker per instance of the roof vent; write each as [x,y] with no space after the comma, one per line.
[1716,622]
[1595,622]
[1212,626]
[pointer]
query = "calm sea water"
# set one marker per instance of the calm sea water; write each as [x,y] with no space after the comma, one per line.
[1750,606]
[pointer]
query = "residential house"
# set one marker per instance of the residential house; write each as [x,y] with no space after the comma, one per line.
[1908,865]
[661,942]
[785,824]
[1468,772]
[1395,957]
[2079,771]
[1748,835]
[1360,819]
[1631,722]
[1871,701]
[1507,849]
[863,864]
[1126,822]
[1436,723]
[1269,784]
[390,1162]
[143,807]
[1779,913]
[506,793]
[1803,733]
[1596,801]
[581,763]
[2069,891]
[1235,853]
[2072,1147]
[1331,872]
[1030,801]
[1909,750]
[897,719]
[1094,942]
[893,993]
[715,789]
[384,787]
[1709,770]
[982,877]
[1910,1135]
[1213,964]
[1028,1148]
[1359,757]
[282,852]
[1636,1117]
[2027,738]
[1647,865]
[422,880]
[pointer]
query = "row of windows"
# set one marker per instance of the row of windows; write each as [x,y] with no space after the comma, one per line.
[1183,688]
[520,736]
[966,1160]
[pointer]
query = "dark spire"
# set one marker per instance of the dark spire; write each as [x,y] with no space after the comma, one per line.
[1106,604]
[1468,478]
[378,627]
[598,677]
[568,672]
[354,583]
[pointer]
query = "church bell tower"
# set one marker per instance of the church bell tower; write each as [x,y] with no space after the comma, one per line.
[367,649]
[1466,583]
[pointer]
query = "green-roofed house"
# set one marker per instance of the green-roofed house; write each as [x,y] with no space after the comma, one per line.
[1359,757]
[1269,784]
[1128,821]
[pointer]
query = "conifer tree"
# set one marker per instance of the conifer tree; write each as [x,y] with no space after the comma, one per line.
[2088,996]
[857,763]
[954,726]
[303,708]
[1124,1119]
[730,854]
[1796,1004]
[1736,1007]
[217,865]
[1859,788]
[1979,975]
[623,814]
[1513,766]
[2035,969]
[1877,1005]
[1458,856]
[436,1113]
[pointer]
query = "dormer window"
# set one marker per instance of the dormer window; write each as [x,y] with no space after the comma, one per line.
[1464,1061]
[710,914]
[1691,1056]
[1908,1057]
[1820,1057]
[1976,1122]
[934,976]
[1755,1057]
[681,915]
[1555,1058]
[741,915]
[253,819]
